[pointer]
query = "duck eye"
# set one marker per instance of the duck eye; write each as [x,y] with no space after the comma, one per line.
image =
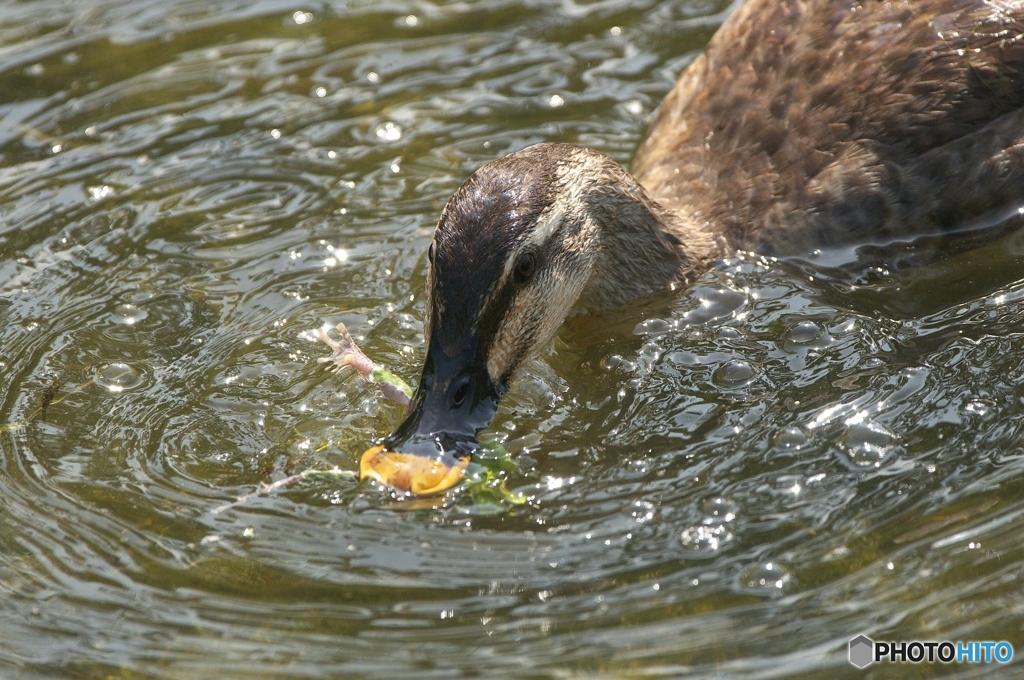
[525,265]
[460,395]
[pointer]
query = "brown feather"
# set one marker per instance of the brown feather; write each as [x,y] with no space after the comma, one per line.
[814,123]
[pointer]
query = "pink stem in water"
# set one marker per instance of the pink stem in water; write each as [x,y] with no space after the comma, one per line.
[348,355]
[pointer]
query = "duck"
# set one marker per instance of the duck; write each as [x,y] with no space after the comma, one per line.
[803,125]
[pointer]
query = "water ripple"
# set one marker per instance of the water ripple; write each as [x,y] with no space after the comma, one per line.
[730,482]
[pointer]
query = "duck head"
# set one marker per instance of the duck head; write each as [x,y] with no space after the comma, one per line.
[521,243]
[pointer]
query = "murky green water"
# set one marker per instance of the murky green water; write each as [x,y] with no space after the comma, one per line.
[733,482]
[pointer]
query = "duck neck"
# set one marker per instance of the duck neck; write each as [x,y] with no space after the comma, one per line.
[642,247]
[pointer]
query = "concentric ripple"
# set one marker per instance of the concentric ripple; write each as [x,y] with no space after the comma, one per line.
[732,481]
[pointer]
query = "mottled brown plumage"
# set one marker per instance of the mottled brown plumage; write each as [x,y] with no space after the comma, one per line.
[813,123]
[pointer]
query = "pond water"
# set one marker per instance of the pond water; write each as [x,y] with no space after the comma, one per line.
[734,480]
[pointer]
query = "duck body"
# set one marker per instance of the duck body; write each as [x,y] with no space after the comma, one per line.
[805,124]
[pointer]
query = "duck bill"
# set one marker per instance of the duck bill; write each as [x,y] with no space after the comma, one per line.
[419,475]
[431,449]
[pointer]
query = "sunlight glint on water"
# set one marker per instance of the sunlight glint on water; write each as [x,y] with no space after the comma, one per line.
[732,480]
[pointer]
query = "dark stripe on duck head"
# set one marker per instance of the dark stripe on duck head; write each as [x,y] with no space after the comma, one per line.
[484,223]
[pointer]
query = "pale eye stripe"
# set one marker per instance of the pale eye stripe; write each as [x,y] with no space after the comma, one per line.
[547,226]
[549,223]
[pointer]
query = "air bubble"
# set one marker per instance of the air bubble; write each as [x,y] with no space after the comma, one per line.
[128,314]
[804,332]
[981,408]
[735,373]
[805,335]
[704,540]
[867,443]
[388,132]
[98,193]
[713,302]
[718,509]
[769,579]
[792,438]
[117,377]
[652,326]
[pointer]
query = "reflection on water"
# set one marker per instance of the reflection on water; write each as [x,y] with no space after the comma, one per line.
[734,480]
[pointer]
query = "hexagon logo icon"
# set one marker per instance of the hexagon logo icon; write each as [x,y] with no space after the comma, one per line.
[862,651]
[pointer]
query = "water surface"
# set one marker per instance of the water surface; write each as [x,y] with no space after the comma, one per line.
[733,480]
